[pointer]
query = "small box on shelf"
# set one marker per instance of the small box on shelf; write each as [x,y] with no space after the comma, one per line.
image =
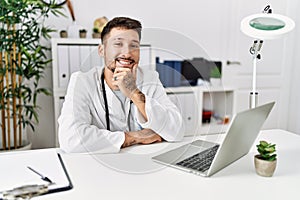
[206,116]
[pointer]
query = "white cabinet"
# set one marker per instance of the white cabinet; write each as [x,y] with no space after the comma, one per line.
[193,101]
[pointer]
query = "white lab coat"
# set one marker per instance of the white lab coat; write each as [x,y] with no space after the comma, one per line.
[82,123]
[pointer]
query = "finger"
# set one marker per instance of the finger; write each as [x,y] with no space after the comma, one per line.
[115,83]
[134,70]
[118,76]
[159,139]
[121,69]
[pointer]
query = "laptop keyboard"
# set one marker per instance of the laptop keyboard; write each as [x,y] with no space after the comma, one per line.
[200,161]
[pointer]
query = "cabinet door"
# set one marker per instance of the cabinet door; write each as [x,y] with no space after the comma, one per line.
[188,107]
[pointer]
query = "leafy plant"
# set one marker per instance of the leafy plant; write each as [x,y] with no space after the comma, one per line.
[82,31]
[22,63]
[95,30]
[266,151]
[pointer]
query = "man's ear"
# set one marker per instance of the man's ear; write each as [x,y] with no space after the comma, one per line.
[101,50]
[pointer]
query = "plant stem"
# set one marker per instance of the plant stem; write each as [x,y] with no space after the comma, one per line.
[2,103]
[13,78]
[20,103]
[8,102]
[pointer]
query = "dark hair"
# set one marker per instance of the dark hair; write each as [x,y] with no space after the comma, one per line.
[121,22]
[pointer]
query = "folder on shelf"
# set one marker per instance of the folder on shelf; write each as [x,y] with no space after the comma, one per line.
[85,58]
[177,73]
[169,72]
[160,69]
[63,66]
[15,172]
[74,58]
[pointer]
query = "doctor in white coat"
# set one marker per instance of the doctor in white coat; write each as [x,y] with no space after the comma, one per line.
[119,105]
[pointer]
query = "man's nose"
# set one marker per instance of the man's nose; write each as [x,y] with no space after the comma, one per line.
[126,49]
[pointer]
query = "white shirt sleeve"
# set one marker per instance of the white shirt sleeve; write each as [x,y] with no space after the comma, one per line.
[163,116]
[76,132]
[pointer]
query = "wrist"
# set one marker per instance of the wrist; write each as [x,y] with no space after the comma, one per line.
[137,96]
[129,140]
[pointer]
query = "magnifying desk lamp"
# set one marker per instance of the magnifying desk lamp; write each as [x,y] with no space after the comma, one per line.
[263,26]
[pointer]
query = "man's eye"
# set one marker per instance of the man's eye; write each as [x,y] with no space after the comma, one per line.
[135,46]
[118,44]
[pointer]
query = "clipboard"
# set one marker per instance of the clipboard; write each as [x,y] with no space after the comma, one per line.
[64,188]
[15,173]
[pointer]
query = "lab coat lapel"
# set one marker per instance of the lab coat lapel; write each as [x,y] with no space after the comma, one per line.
[114,104]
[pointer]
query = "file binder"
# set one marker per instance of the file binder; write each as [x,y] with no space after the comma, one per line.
[63,66]
[74,58]
[85,58]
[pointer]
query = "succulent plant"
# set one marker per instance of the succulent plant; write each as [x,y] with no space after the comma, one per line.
[266,151]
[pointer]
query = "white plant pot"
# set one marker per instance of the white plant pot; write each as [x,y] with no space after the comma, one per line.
[25,143]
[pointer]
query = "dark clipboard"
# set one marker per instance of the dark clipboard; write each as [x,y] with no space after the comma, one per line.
[65,188]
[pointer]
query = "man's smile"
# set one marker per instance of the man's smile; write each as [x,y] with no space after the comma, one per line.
[125,62]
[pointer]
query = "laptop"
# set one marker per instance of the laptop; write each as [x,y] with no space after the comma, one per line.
[206,158]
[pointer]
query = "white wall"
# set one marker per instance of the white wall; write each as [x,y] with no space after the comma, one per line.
[293,74]
[205,25]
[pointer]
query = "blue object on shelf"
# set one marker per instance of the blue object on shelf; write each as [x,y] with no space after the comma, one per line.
[169,72]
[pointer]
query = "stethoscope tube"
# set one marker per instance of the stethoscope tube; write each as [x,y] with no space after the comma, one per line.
[105,102]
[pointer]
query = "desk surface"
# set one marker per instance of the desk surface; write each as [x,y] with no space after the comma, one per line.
[132,175]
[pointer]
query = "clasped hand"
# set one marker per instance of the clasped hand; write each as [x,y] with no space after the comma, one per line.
[145,136]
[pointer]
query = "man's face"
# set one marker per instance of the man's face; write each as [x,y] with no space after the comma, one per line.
[121,48]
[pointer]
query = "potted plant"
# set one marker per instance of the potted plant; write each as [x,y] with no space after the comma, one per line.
[96,33]
[99,24]
[265,161]
[22,64]
[63,34]
[82,33]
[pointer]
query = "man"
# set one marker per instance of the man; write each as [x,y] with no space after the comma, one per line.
[119,105]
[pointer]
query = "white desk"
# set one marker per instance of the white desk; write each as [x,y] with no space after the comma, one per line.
[94,180]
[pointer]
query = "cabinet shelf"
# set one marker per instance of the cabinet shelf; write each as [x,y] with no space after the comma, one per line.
[191,102]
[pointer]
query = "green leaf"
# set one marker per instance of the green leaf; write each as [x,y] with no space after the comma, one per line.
[29,17]
[263,143]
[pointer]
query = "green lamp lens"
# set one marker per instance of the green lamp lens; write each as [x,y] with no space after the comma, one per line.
[266,23]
